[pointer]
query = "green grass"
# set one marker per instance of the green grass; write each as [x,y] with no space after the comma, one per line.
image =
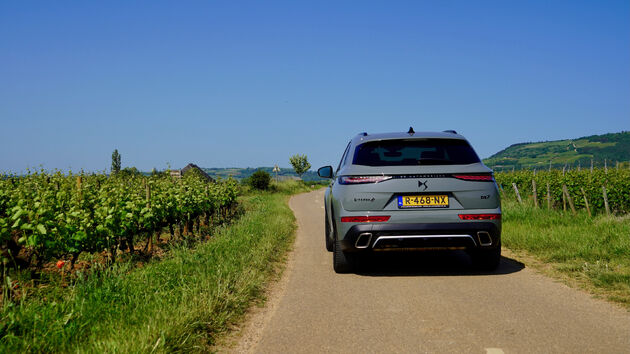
[288,187]
[295,187]
[180,303]
[592,252]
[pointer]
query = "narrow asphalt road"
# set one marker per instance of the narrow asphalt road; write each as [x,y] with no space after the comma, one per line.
[427,302]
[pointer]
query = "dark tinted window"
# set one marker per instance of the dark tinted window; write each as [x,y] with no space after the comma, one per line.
[415,152]
[343,156]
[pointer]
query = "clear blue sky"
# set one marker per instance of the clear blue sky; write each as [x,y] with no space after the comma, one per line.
[236,83]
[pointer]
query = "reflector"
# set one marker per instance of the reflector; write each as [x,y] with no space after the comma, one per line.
[480,216]
[382,218]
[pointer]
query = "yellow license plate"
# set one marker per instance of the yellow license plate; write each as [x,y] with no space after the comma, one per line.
[423,201]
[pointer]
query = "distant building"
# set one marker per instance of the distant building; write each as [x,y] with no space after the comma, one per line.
[189,167]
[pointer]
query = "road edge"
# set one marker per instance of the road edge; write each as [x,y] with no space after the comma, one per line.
[245,336]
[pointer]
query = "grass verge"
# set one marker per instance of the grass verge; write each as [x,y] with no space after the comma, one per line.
[589,252]
[180,303]
[288,187]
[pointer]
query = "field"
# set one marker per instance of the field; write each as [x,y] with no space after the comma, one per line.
[216,245]
[588,251]
[180,302]
[582,187]
[45,217]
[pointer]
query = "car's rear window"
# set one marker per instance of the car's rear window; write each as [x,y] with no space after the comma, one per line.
[415,152]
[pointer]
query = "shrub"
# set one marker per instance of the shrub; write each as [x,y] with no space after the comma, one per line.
[260,180]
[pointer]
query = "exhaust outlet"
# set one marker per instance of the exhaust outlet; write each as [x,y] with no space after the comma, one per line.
[484,238]
[363,241]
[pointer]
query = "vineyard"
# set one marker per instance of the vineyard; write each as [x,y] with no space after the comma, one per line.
[48,216]
[583,189]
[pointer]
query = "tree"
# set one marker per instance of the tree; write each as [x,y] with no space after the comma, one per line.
[115,162]
[300,164]
[129,171]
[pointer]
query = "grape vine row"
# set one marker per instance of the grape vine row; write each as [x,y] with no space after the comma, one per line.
[54,215]
[616,182]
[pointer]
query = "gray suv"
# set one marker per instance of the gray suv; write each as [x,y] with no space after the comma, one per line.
[408,192]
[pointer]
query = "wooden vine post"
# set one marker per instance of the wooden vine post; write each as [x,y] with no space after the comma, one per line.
[564,201]
[548,197]
[565,190]
[79,186]
[208,212]
[588,209]
[535,192]
[518,195]
[147,188]
[605,200]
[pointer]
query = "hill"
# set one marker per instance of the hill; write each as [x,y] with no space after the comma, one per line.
[612,148]
[241,173]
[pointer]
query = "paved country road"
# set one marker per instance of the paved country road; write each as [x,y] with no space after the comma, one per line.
[427,302]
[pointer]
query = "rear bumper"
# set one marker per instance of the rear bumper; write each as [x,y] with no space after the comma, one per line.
[418,236]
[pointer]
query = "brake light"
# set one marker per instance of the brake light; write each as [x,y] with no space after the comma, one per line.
[479,178]
[480,216]
[383,218]
[362,179]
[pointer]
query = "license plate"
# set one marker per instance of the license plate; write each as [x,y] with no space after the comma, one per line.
[423,201]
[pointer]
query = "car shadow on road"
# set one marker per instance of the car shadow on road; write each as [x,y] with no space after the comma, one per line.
[429,263]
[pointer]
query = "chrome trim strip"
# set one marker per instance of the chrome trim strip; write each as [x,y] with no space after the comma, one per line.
[415,249]
[422,236]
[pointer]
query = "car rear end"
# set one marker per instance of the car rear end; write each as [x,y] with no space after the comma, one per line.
[409,192]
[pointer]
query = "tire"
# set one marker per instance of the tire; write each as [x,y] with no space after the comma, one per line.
[486,259]
[329,242]
[342,262]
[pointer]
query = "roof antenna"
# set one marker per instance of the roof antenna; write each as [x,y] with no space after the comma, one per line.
[411,132]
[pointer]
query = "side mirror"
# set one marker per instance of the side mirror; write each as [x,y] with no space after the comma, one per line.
[325,172]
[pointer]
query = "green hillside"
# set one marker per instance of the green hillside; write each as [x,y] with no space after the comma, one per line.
[612,148]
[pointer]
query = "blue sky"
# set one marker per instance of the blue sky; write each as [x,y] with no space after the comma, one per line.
[238,84]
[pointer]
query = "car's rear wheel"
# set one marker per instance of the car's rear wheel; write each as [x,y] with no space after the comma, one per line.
[342,262]
[486,259]
[329,242]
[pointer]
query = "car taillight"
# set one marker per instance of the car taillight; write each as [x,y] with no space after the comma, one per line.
[479,178]
[480,216]
[383,218]
[362,179]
